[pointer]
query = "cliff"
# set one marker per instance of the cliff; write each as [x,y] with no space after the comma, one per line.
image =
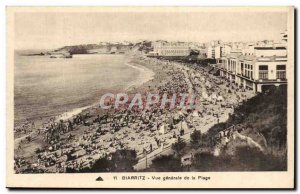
[108,48]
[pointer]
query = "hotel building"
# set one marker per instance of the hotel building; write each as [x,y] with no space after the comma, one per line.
[257,70]
[171,49]
[217,51]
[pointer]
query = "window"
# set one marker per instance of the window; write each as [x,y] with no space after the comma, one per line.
[263,72]
[263,67]
[280,67]
[242,68]
[263,75]
[280,73]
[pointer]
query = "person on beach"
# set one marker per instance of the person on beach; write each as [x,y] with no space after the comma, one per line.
[99,129]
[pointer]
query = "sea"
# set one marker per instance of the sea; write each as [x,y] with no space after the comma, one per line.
[45,87]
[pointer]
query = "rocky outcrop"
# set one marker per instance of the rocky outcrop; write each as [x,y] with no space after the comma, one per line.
[108,48]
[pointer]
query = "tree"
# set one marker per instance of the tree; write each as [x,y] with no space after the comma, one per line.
[123,161]
[101,165]
[179,145]
[205,161]
[196,138]
[165,164]
[252,159]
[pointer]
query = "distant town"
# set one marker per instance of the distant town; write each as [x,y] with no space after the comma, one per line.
[234,121]
[197,97]
[248,64]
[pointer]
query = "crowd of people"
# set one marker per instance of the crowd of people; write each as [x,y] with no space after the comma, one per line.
[76,143]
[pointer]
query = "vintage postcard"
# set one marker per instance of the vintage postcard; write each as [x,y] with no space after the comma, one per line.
[150,97]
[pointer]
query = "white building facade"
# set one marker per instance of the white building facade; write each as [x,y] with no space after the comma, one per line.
[265,67]
[218,51]
[210,52]
[171,49]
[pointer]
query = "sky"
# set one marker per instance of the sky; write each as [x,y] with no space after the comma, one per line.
[49,30]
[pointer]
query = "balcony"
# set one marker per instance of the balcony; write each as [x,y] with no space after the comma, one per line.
[281,74]
[263,74]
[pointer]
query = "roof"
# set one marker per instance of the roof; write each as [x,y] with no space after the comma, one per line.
[234,55]
[270,48]
[258,59]
[248,57]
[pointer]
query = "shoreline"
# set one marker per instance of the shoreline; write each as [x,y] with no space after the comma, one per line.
[145,75]
[167,76]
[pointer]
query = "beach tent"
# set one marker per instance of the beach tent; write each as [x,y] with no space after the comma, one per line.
[162,129]
[214,96]
[176,118]
[204,95]
[209,98]
[182,113]
[208,84]
[184,126]
[195,114]
[153,128]
[220,98]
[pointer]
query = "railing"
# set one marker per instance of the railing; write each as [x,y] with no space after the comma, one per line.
[280,74]
[263,74]
[165,148]
[169,147]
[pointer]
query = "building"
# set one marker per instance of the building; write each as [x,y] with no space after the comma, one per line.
[217,51]
[113,49]
[171,49]
[248,49]
[222,51]
[265,67]
[226,50]
[210,52]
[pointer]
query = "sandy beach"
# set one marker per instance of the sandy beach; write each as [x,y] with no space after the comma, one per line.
[92,133]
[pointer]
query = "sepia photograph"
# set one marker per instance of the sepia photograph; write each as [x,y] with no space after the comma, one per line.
[150,97]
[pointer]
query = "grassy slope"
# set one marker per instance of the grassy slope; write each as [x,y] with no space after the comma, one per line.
[264,115]
[264,119]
